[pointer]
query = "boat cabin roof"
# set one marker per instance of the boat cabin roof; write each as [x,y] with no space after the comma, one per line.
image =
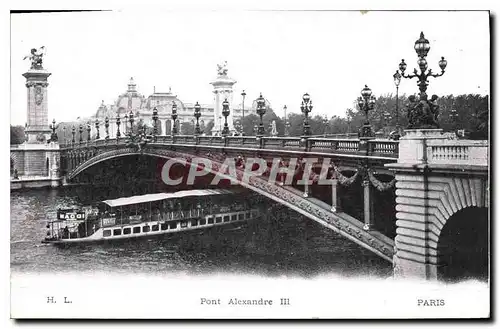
[163,196]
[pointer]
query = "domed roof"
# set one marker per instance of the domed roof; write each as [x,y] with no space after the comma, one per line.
[131,99]
[164,102]
[102,111]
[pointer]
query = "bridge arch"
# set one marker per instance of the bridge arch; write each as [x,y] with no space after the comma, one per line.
[462,248]
[427,210]
[338,222]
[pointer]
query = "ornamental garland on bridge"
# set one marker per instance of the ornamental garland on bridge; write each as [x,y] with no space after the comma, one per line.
[379,185]
[344,180]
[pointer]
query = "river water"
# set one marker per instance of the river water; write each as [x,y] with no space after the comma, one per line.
[287,244]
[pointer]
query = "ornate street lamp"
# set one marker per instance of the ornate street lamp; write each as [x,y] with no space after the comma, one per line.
[306,107]
[197,115]
[325,122]
[174,118]
[53,136]
[225,113]
[97,129]
[80,130]
[453,117]
[243,94]
[286,121]
[397,81]
[106,126]
[366,103]
[423,113]
[261,110]
[73,132]
[64,133]
[118,134]
[155,122]
[131,120]
[89,127]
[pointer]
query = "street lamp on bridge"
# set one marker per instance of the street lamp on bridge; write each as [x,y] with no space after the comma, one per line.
[225,113]
[261,110]
[89,127]
[118,134]
[243,94]
[397,81]
[97,129]
[155,122]
[131,120]
[366,103]
[73,132]
[106,127]
[420,117]
[174,118]
[53,137]
[287,125]
[306,107]
[197,114]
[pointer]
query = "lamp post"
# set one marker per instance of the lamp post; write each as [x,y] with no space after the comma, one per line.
[106,127]
[53,137]
[261,110]
[64,133]
[423,118]
[286,121]
[88,131]
[174,118]
[73,132]
[454,116]
[225,113]
[131,120]
[306,107]
[97,129]
[325,122]
[118,134]
[197,114]
[397,81]
[366,103]
[387,119]
[243,94]
[155,122]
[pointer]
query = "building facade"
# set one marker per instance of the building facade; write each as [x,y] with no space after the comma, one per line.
[132,101]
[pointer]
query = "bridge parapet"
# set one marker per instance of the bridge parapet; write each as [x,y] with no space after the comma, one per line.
[466,152]
[376,147]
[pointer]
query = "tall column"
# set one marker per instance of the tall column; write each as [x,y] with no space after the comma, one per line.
[223,88]
[368,205]
[37,128]
[335,196]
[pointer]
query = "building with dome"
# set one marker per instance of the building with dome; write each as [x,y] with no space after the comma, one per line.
[142,108]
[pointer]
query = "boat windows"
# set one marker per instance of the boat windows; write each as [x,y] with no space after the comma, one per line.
[106,233]
[203,221]
[127,230]
[248,214]
[241,216]
[137,229]
[233,218]
[146,229]
[194,222]
[218,219]
[164,226]
[210,220]
[173,225]
[155,227]
[184,224]
[117,231]
[226,219]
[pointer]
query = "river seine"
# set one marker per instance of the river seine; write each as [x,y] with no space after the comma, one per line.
[286,244]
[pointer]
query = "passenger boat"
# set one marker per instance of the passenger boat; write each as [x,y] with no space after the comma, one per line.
[152,215]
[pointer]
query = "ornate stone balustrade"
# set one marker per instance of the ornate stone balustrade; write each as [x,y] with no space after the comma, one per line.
[468,152]
[376,147]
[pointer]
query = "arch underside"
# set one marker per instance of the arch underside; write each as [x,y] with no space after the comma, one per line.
[424,207]
[318,211]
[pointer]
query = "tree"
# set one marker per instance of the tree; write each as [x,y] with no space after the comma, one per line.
[16,135]
[209,127]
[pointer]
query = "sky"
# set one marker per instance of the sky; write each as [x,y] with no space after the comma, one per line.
[329,54]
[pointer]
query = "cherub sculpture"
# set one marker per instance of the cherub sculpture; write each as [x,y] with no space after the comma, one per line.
[222,68]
